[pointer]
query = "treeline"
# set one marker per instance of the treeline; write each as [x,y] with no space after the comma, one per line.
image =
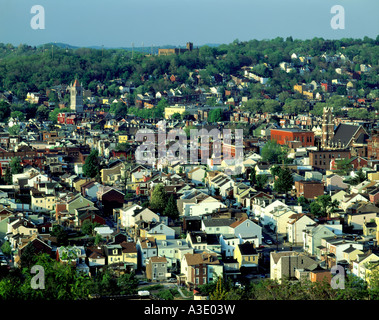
[32,69]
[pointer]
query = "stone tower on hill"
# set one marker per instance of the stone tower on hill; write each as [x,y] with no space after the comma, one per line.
[76,97]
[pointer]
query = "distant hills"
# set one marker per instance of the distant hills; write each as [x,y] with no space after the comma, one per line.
[138,49]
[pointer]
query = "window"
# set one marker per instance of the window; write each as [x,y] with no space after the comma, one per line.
[197,271]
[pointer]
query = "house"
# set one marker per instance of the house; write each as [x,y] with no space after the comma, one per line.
[222,183]
[199,205]
[350,254]
[104,231]
[247,256]
[374,195]
[112,173]
[201,241]
[200,268]
[130,254]
[361,214]
[332,249]
[156,269]
[75,255]
[295,226]
[113,253]
[351,200]
[197,175]
[228,244]
[216,226]
[362,265]
[41,202]
[173,250]
[309,189]
[129,215]
[285,264]
[335,182]
[110,199]
[38,244]
[312,237]
[77,201]
[146,248]
[245,227]
[90,214]
[96,256]
[89,190]
[160,229]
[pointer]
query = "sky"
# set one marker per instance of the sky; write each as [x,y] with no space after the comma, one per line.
[121,23]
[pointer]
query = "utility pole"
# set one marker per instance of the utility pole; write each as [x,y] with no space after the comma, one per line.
[132,49]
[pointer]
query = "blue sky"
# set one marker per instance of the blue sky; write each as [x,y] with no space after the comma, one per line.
[119,23]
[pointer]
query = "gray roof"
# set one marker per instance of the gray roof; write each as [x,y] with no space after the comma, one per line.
[218,222]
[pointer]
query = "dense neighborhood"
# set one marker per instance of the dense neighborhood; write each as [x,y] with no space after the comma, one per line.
[302,203]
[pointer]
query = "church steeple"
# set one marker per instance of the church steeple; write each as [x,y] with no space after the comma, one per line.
[76,97]
[327,127]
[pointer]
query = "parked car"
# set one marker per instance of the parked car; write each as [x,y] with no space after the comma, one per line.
[268,241]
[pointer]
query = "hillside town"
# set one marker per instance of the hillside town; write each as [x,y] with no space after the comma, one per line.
[302,203]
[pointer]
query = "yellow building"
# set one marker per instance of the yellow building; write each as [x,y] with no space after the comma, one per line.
[123,138]
[42,202]
[246,255]
[298,88]
[77,184]
[169,111]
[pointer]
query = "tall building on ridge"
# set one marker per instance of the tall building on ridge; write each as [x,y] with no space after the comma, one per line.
[76,97]
[327,127]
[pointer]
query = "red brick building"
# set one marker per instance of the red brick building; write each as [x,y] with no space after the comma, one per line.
[309,189]
[287,135]
[373,146]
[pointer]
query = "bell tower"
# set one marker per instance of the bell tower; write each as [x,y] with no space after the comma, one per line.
[327,127]
[76,97]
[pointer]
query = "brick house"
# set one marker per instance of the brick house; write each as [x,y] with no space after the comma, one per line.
[321,159]
[285,136]
[309,189]
[199,268]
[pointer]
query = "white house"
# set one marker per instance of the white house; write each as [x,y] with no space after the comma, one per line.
[130,215]
[247,228]
[162,229]
[295,226]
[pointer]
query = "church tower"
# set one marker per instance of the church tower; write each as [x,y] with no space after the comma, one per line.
[76,97]
[327,127]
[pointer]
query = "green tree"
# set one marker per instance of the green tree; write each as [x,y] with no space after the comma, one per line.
[219,293]
[273,152]
[284,182]
[158,200]
[91,167]
[128,283]
[6,248]
[59,232]
[15,165]
[14,130]
[262,180]
[171,209]
[215,115]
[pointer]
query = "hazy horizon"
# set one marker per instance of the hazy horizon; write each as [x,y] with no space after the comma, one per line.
[173,22]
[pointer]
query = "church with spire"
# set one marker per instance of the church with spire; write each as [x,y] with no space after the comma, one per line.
[343,136]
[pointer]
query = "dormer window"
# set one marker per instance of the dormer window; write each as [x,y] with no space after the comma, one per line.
[198,239]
